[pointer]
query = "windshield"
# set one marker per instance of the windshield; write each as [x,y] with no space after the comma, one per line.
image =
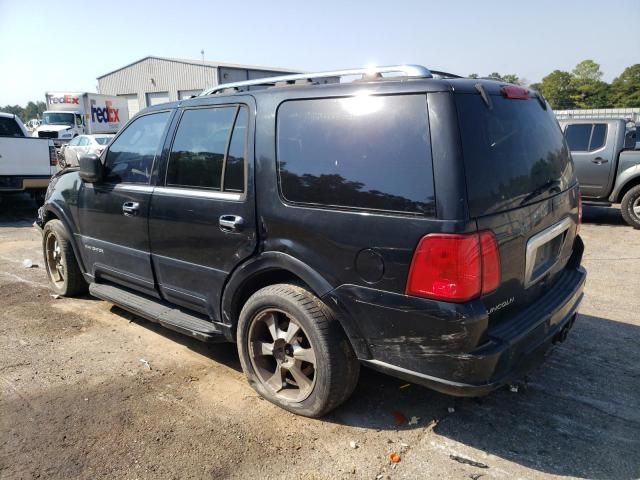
[57,118]
[514,153]
[103,140]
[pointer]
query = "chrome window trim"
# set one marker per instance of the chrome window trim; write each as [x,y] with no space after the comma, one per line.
[198,193]
[538,240]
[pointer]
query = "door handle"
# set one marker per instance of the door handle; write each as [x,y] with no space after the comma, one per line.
[599,160]
[231,223]
[130,209]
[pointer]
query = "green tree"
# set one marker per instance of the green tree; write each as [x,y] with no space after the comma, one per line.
[34,110]
[625,89]
[559,89]
[474,75]
[590,90]
[14,109]
[587,70]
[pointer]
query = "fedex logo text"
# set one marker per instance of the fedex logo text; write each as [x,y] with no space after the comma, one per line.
[52,100]
[108,114]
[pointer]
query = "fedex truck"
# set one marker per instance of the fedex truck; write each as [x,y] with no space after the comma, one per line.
[70,114]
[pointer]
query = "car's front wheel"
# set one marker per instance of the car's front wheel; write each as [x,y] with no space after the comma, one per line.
[294,353]
[65,277]
[631,207]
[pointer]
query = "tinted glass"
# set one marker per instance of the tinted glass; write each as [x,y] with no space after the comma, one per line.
[368,152]
[9,128]
[514,153]
[102,140]
[598,136]
[578,136]
[198,149]
[130,156]
[234,171]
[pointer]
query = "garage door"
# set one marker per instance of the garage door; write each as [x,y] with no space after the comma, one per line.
[132,103]
[182,94]
[157,98]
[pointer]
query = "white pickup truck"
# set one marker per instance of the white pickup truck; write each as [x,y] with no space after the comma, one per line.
[26,163]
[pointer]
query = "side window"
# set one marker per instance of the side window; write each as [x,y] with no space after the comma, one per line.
[83,142]
[364,152]
[202,143]
[130,157]
[234,171]
[578,136]
[75,142]
[598,136]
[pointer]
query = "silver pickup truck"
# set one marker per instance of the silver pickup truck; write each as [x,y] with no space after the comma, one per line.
[26,163]
[607,164]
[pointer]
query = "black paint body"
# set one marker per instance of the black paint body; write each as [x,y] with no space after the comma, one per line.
[356,261]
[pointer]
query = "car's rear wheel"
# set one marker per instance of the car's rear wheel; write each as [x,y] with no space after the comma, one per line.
[65,277]
[630,207]
[294,353]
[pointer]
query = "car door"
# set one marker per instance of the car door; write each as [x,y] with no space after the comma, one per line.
[71,152]
[113,213]
[592,146]
[202,220]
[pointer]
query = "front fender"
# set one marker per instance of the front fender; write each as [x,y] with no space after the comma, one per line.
[62,203]
[624,177]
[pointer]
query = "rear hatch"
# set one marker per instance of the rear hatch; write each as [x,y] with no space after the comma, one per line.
[521,185]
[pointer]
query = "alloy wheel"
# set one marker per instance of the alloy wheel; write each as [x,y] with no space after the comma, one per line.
[55,260]
[282,355]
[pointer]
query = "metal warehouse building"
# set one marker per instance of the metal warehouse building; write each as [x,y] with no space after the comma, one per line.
[154,80]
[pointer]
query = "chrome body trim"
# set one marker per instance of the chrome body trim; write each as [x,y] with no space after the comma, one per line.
[536,242]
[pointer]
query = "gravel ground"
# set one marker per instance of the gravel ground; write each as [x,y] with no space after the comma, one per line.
[90,391]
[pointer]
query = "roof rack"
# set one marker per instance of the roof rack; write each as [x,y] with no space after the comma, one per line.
[410,71]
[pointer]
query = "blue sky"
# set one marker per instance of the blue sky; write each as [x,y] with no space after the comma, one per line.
[65,45]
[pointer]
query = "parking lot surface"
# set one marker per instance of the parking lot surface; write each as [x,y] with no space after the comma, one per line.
[88,390]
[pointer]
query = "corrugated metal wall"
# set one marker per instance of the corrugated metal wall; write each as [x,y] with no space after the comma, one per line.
[154,75]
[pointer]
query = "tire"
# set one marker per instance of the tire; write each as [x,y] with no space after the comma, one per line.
[630,207]
[284,331]
[63,272]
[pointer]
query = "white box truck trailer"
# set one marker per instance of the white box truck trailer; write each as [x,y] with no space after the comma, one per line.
[70,114]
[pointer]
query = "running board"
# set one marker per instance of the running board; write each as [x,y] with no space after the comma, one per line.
[158,311]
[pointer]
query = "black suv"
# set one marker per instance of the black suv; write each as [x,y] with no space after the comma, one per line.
[420,224]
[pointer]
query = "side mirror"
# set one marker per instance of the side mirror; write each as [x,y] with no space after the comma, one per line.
[90,168]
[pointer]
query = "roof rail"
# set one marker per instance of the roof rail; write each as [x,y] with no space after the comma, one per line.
[439,74]
[410,71]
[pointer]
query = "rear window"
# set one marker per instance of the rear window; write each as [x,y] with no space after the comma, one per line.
[514,152]
[361,152]
[9,128]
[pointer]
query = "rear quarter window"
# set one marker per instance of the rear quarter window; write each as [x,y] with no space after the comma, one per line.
[362,152]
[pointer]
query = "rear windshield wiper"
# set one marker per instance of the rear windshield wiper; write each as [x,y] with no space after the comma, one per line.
[548,186]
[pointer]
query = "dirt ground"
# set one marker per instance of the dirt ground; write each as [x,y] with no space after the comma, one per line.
[90,391]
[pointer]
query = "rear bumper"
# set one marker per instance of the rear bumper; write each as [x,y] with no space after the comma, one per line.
[450,348]
[19,183]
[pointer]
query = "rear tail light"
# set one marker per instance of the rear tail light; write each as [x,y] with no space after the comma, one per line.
[53,156]
[514,92]
[454,267]
[579,211]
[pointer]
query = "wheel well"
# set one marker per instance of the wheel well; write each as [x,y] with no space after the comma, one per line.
[255,283]
[49,215]
[628,186]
